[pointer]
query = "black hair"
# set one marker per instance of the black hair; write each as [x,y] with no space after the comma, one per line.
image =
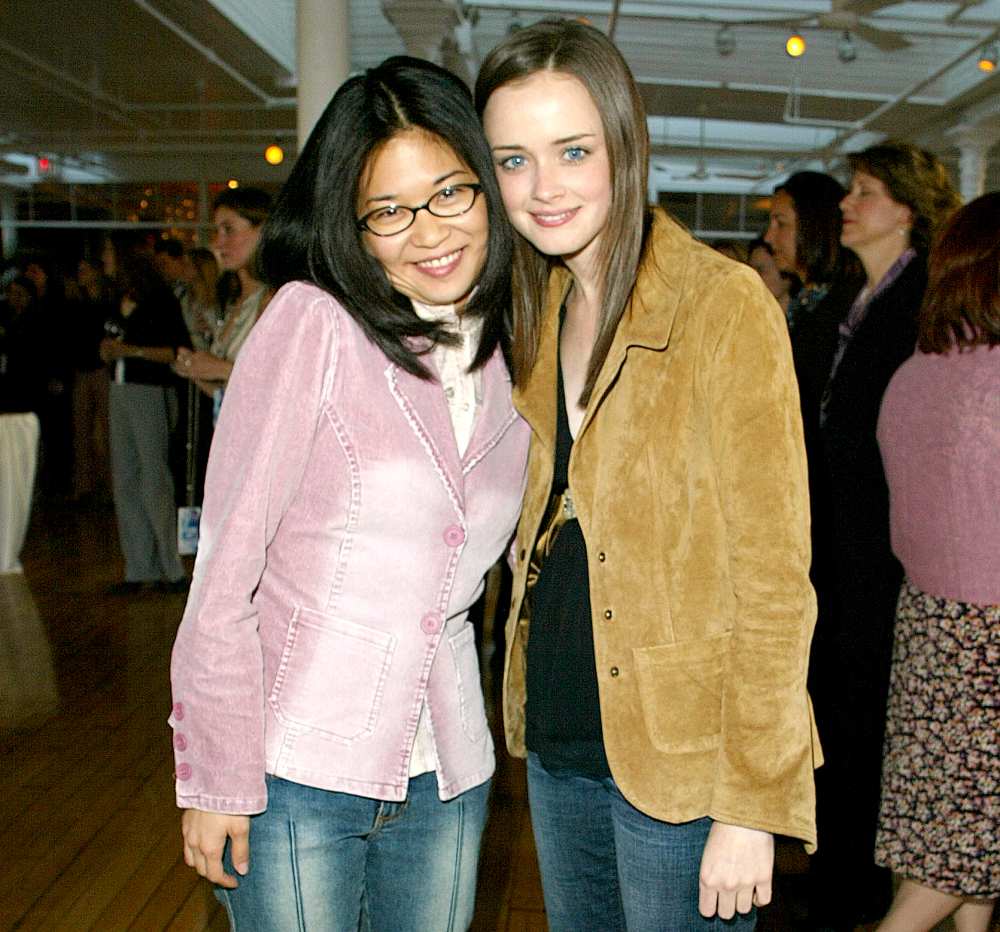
[171,246]
[312,232]
[816,197]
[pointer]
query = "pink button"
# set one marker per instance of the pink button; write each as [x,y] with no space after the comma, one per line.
[179,711]
[430,623]
[454,536]
[180,742]
[183,772]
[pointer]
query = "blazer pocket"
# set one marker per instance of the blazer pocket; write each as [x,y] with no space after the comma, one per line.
[331,677]
[680,686]
[470,690]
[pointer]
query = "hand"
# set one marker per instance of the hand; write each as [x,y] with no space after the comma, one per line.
[736,869]
[205,836]
[201,366]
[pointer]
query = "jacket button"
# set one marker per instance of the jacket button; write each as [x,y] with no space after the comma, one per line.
[608,614]
[183,772]
[454,535]
[180,742]
[179,711]
[615,671]
[601,557]
[430,623]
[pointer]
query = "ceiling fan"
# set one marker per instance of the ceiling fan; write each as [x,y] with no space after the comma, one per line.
[701,170]
[847,16]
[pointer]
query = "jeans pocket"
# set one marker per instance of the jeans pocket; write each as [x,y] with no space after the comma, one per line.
[681,689]
[470,690]
[332,675]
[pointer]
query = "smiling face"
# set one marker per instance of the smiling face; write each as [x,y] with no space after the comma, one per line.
[436,260]
[235,239]
[782,231]
[552,164]
[873,221]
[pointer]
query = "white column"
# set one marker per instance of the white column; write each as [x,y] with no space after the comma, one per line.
[323,59]
[974,142]
[8,215]
[972,169]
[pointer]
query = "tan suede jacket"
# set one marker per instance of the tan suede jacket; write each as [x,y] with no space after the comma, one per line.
[688,476]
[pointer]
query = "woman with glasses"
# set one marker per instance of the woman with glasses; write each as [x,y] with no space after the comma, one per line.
[332,752]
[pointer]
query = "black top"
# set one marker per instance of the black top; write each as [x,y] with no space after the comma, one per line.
[563,711]
[23,372]
[155,321]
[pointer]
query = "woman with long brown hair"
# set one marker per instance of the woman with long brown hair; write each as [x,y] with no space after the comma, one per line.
[657,648]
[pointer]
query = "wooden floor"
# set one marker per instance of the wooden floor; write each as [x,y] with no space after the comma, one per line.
[89,834]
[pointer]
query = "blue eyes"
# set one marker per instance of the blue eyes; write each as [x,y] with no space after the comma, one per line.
[512,162]
[570,154]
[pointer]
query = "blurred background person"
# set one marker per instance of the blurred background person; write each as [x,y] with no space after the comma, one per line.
[89,309]
[783,285]
[733,248]
[939,434]
[200,304]
[22,393]
[238,216]
[143,337]
[897,196]
[55,412]
[804,235]
[168,257]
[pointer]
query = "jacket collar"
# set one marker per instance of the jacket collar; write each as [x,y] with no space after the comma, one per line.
[647,323]
[425,409]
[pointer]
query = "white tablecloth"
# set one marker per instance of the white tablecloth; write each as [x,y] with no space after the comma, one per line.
[18,460]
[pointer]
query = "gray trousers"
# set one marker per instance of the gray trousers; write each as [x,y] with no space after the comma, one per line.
[141,417]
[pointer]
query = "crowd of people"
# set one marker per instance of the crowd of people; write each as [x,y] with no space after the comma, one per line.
[750,507]
[95,362]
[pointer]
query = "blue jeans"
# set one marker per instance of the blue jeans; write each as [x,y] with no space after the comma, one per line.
[332,862]
[607,867]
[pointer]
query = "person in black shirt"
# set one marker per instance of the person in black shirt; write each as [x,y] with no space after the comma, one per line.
[141,343]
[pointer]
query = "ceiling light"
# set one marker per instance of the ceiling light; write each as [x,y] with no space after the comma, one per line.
[274,154]
[988,58]
[795,45]
[232,184]
[725,41]
[847,51]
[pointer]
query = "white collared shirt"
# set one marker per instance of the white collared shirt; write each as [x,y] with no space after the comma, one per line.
[463,390]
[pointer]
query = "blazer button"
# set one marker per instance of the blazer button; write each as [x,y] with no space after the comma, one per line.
[601,557]
[430,623]
[180,742]
[183,772]
[454,535]
[615,671]
[179,711]
[608,614]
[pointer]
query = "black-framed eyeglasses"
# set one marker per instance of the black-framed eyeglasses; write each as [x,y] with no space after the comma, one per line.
[452,201]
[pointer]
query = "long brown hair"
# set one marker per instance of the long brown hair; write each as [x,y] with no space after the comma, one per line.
[962,304]
[582,52]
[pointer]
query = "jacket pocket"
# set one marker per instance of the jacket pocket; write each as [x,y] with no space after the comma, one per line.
[680,686]
[331,677]
[470,690]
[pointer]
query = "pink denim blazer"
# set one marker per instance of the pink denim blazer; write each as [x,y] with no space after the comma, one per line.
[343,540]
